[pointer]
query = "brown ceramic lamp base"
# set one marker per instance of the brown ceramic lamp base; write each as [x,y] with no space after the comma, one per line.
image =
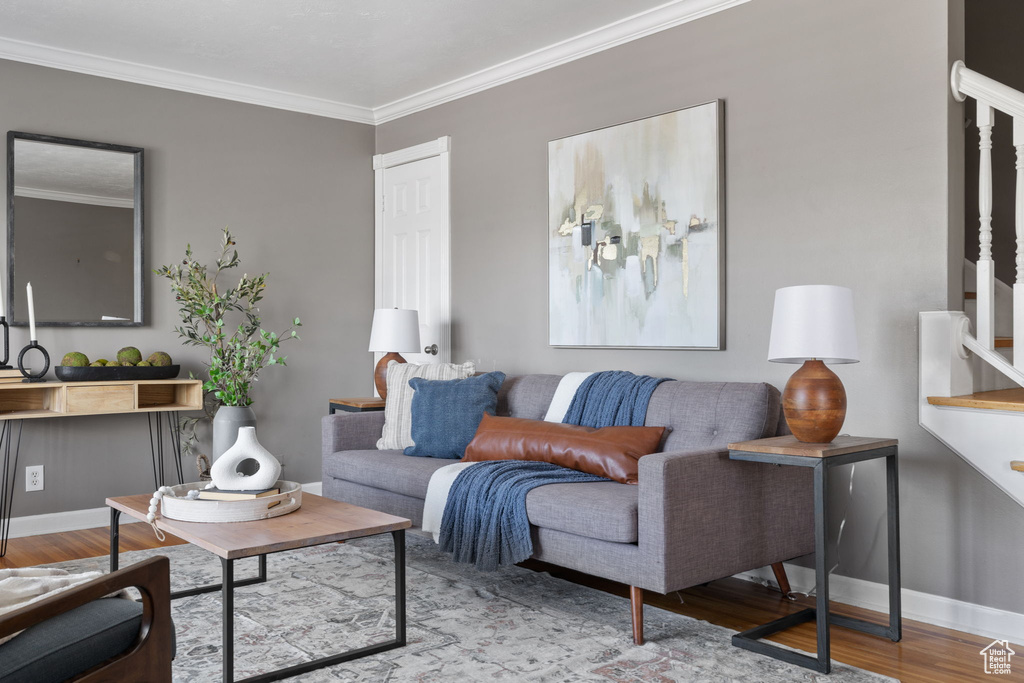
[380,373]
[814,403]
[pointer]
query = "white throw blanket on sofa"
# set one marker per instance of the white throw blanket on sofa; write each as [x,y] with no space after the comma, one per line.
[437,497]
[24,586]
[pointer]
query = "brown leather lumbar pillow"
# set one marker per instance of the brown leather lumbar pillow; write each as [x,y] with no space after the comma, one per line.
[610,452]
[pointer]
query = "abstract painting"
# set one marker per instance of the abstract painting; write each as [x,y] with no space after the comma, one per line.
[635,233]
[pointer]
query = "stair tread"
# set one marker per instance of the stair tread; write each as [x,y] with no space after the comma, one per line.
[1003,399]
[1004,342]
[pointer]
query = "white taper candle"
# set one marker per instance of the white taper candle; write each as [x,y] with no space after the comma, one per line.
[31,313]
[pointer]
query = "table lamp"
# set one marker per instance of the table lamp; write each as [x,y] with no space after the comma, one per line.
[394,330]
[814,325]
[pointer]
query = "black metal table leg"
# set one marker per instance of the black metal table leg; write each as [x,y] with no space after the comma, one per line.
[174,431]
[10,472]
[893,514]
[261,577]
[228,617]
[115,538]
[822,564]
[398,641]
[399,538]
[750,639]
[156,449]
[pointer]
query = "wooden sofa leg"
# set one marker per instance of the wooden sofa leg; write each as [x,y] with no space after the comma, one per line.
[781,578]
[636,602]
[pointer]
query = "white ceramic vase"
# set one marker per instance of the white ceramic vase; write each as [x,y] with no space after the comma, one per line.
[225,472]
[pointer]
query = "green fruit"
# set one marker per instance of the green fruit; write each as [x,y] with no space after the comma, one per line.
[130,355]
[75,359]
[96,364]
[143,364]
[159,359]
[101,361]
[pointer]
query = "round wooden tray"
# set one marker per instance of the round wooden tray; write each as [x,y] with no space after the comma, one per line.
[179,507]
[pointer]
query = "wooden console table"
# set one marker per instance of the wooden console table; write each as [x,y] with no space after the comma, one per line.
[21,401]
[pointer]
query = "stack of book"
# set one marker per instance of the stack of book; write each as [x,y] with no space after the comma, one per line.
[225,494]
[12,375]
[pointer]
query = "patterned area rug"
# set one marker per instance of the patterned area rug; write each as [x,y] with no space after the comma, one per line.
[463,625]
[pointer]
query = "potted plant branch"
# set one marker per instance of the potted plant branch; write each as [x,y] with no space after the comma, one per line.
[236,359]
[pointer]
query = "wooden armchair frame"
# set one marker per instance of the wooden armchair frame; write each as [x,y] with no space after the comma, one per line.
[148,660]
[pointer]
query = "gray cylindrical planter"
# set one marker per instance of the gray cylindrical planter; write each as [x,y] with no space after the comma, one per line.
[225,426]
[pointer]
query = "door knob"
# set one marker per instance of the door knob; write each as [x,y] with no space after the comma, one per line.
[432,349]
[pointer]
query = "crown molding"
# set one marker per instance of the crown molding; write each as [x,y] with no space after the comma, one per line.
[73,197]
[625,30]
[106,67]
[659,18]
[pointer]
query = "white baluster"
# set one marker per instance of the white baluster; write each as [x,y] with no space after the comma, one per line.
[1018,285]
[986,269]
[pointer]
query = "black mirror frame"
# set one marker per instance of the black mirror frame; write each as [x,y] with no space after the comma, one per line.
[139,232]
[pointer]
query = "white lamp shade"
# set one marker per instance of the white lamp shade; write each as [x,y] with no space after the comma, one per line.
[813,322]
[395,329]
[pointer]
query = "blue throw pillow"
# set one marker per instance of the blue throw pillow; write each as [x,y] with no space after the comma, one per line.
[446,413]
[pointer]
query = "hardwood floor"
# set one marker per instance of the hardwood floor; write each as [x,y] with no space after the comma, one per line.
[926,653]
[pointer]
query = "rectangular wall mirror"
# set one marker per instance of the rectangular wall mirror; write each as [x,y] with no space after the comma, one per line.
[74,230]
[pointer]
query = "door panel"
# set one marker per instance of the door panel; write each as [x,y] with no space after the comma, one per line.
[414,252]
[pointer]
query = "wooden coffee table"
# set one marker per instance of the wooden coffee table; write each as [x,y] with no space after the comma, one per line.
[319,521]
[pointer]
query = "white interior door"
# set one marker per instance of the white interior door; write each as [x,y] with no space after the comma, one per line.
[412,242]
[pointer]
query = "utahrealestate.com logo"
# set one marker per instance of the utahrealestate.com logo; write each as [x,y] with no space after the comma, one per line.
[997,656]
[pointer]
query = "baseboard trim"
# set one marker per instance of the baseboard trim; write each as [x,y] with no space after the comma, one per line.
[925,607]
[76,520]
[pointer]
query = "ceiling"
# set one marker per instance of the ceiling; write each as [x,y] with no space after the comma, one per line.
[74,174]
[364,60]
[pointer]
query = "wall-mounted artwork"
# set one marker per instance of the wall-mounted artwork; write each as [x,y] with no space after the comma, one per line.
[635,233]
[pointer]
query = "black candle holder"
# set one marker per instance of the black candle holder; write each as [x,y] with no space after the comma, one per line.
[33,377]
[7,343]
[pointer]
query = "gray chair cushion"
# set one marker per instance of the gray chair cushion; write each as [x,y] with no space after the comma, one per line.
[71,643]
[388,470]
[605,511]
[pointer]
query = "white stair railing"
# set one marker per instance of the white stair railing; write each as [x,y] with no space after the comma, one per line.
[992,95]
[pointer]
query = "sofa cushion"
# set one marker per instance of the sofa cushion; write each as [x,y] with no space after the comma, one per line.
[389,470]
[70,643]
[446,413]
[397,432]
[711,415]
[603,510]
[527,396]
[611,452]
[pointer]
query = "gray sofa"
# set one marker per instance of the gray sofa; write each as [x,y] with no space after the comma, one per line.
[695,515]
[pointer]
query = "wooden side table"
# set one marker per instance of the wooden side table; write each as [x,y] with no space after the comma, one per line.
[786,450]
[355,405]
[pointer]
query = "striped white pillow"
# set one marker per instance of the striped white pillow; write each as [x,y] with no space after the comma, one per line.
[397,433]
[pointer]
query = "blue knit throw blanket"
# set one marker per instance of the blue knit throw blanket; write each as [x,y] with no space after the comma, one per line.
[612,399]
[485,522]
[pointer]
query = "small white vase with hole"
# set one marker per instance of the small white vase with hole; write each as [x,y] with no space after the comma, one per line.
[177,504]
[225,472]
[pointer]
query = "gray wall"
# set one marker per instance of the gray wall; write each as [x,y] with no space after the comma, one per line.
[80,257]
[295,190]
[838,137]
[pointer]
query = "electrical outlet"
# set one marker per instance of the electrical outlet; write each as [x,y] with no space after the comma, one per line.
[34,478]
